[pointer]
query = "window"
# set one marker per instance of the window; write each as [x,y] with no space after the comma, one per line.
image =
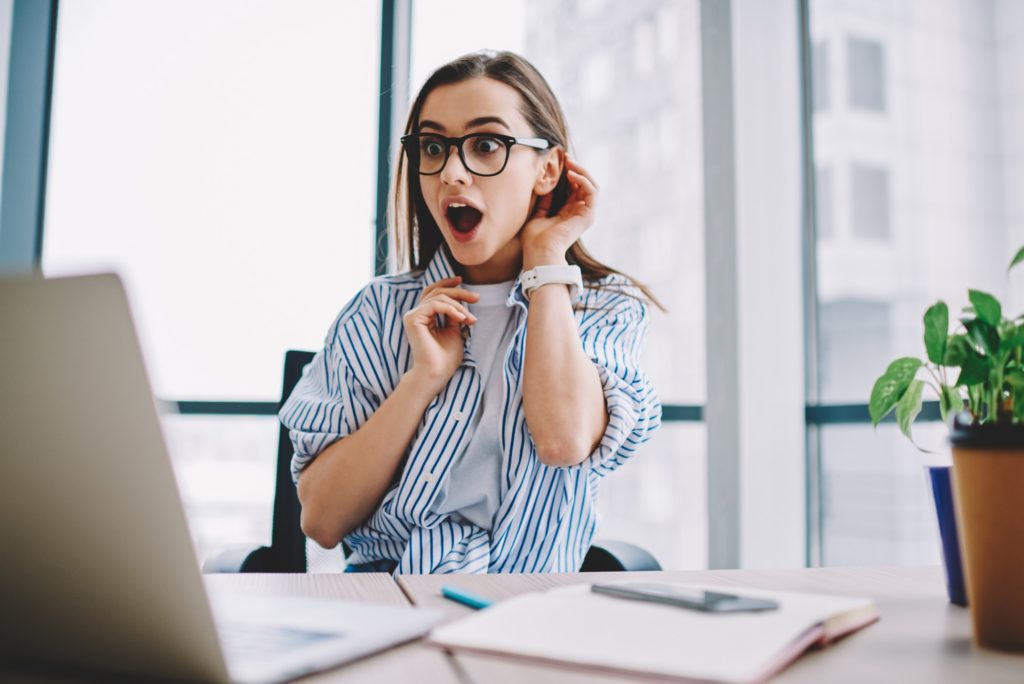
[869,203]
[913,186]
[210,451]
[221,157]
[643,47]
[824,202]
[597,74]
[866,74]
[876,507]
[636,147]
[6,10]
[820,76]
[670,30]
[848,328]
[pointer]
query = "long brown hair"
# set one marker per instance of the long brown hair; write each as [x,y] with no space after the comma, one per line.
[416,235]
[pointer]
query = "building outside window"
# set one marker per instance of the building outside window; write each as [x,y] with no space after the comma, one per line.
[927,217]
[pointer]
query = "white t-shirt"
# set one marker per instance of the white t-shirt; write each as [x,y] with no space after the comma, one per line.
[472,489]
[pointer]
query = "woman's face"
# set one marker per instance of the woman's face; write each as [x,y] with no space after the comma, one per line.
[487,245]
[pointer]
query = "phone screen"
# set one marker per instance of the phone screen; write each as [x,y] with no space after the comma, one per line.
[685,597]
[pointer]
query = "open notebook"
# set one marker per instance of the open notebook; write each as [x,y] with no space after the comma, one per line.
[572,626]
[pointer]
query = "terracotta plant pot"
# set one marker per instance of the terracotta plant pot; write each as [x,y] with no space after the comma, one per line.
[988,482]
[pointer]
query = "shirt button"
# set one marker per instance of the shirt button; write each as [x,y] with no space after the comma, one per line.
[458,415]
[428,477]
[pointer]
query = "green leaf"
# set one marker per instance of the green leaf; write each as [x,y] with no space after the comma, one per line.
[983,335]
[975,371]
[1012,338]
[1018,405]
[909,407]
[987,306]
[936,328]
[1017,259]
[1015,378]
[890,387]
[957,350]
[950,401]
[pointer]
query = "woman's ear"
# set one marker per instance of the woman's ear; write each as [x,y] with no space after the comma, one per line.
[550,171]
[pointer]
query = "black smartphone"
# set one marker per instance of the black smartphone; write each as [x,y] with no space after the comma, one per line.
[685,597]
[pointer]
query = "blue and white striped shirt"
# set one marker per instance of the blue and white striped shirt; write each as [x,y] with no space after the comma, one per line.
[547,516]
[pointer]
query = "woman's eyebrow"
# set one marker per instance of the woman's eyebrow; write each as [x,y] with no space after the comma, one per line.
[479,121]
[487,120]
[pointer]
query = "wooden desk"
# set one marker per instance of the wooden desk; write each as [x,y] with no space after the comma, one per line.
[920,638]
[413,662]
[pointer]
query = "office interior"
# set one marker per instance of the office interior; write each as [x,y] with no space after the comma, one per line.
[797,180]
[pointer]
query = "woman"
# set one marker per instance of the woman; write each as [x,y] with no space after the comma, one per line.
[461,414]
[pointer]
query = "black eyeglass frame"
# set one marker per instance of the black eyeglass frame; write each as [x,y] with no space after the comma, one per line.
[411,147]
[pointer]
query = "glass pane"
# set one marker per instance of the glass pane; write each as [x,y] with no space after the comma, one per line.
[658,500]
[225,468]
[877,508]
[920,203]
[6,15]
[628,78]
[639,133]
[221,157]
[923,154]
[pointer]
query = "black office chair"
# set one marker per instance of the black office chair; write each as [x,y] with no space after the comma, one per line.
[287,550]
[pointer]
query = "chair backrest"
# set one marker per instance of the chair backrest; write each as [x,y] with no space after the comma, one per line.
[288,544]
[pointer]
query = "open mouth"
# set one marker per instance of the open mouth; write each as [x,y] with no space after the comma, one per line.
[463,219]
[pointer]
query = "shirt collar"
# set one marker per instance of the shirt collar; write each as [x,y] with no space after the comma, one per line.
[439,268]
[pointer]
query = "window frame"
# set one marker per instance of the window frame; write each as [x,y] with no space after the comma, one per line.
[29,96]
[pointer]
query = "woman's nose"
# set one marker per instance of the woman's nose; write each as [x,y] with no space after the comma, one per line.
[454,170]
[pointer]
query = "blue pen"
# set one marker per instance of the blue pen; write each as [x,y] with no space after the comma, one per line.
[464,597]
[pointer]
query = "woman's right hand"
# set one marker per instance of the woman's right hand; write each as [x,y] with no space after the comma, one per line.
[437,351]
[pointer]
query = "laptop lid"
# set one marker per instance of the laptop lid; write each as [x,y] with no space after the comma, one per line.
[98,567]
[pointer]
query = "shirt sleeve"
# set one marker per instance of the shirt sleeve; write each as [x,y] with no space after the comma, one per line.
[329,402]
[613,330]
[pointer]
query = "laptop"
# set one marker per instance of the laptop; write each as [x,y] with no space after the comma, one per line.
[97,568]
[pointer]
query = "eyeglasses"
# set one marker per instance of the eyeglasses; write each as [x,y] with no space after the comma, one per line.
[485,155]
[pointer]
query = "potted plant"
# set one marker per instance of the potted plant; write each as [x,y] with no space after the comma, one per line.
[977,373]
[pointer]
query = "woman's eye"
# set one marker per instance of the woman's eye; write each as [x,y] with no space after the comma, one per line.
[487,145]
[432,148]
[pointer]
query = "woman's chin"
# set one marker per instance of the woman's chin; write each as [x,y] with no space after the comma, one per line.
[469,253]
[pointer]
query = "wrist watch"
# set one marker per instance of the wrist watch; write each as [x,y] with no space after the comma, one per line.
[545,275]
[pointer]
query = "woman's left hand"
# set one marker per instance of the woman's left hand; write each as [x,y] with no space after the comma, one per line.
[545,239]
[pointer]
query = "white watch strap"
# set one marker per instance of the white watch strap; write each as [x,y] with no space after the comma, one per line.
[545,275]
